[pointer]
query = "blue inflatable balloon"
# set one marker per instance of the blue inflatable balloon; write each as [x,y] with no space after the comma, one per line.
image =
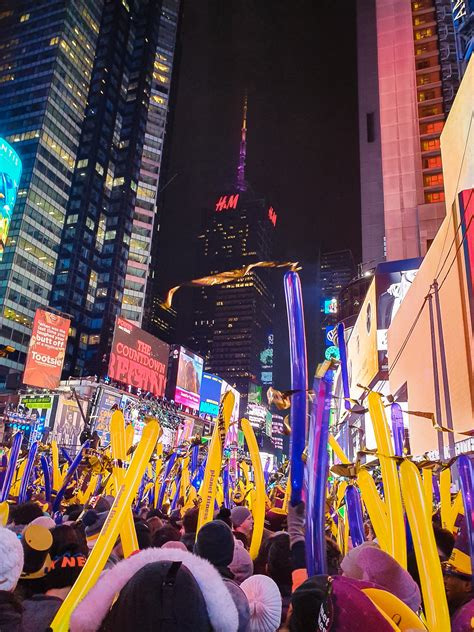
[466,476]
[354,515]
[299,382]
[398,432]
[25,481]
[12,461]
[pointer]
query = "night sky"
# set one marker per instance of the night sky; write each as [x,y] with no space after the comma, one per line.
[297,61]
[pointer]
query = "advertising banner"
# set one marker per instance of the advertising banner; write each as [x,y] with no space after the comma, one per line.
[45,358]
[211,386]
[188,381]
[68,423]
[108,402]
[392,282]
[138,359]
[10,172]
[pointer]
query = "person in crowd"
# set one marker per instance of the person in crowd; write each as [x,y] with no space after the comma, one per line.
[279,568]
[369,563]
[154,521]
[11,566]
[457,573]
[167,533]
[21,515]
[242,523]
[264,602]
[334,557]
[40,609]
[36,541]
[216,544]
[93,522]
[164,590]
[189,527]
[241,566]
[224,514]
[66,538]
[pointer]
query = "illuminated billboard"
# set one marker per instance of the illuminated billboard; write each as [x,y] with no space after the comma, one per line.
[188,380]
[211,387]
[10,172]
[45,358]
[234,418]
[330,306]
[331,335]
[138,359]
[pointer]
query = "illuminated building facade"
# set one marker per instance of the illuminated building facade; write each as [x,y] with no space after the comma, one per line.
[408,77]
[232,322]
[103,260]
[46,59]
[337,270]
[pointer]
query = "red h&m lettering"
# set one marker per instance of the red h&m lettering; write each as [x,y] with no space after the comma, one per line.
[272,216]
[225,202]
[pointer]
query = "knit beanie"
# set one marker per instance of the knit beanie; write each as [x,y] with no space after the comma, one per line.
[215,543]
[64,571]
[241,566]
[350,564]
[264,602]
[238,515]
[11,559]
[381,569]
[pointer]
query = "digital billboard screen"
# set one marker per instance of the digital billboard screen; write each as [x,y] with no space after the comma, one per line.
[45,359]
[10,172]
[330,306]
[211,386]
[188,381]
[138,359]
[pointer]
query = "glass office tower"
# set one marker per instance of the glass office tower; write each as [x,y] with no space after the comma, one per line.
[46,60]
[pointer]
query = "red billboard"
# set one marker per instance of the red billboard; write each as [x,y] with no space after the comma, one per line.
[138,359]
[45,358]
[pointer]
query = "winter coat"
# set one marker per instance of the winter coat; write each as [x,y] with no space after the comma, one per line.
[38,612]
[10,612]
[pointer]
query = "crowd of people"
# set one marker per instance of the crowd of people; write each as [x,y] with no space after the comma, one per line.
[185,579]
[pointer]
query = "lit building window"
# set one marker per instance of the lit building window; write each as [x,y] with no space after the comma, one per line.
[25,17]
[53,41]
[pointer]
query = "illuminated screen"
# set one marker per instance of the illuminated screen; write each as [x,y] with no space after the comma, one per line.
[330,306]
[331,335]
[211,387]
[45,359]
[188,382]
[138,359]
[10,172]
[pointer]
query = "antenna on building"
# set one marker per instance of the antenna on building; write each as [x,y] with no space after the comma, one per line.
[241,183]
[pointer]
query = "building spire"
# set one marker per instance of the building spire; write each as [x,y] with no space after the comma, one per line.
[241,183]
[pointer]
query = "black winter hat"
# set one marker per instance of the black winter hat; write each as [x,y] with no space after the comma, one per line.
[153,599]
[215,543]
[64,571]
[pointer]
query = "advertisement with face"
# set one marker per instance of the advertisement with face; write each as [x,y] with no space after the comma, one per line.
[10,173]
[188,381]
[138,359]
[68,424]
[45,358]
[392,285]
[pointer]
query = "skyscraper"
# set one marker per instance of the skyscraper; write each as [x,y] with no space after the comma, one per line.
[233,322]
[46,57]
[90,133]
[408,77]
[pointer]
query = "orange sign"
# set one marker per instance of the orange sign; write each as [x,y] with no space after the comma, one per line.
[45,359]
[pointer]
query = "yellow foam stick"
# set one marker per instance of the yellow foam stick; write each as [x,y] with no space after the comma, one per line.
[214,459]
[15,489]
[108,535]
[395,609]
[258,504]
[83,497]
[4,511]
[55,462]
[397,538]
[158,481]
[428,491]
[185,477]
[338,451]
[128,533]
[445,497]
[427,558]
[457,508]
[375,508]
[286,499]
[129,433]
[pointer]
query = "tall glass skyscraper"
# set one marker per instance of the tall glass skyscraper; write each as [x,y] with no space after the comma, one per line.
[85,106]
[46,59]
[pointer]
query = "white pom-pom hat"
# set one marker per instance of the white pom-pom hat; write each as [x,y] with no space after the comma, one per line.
[265,603]
[11,559]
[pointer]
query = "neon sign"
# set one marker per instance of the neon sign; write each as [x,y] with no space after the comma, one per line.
[226,202]
[272,216]
[459,9]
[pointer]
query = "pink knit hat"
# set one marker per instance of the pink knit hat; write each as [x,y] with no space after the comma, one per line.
[265,603]
[381,569]
[172,544]
[241,566]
